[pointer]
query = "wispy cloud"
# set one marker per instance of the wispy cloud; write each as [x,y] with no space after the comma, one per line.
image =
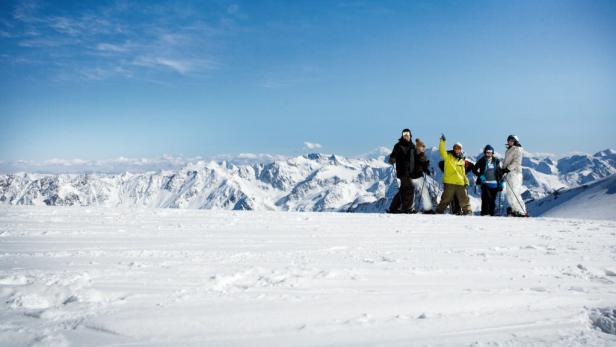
[110,47]
[177,65]
[312,145]
[44,42]
[103,42]
[182,66]
[103,73]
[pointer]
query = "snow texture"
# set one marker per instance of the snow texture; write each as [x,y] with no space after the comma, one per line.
[160,277]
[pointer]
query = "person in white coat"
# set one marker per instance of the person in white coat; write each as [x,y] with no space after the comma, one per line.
[512,165]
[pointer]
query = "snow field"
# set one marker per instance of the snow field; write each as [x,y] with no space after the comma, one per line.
[101,276]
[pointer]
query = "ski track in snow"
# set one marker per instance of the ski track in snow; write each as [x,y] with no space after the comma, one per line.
[115,277]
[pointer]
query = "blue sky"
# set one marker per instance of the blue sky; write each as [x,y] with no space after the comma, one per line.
[102,79]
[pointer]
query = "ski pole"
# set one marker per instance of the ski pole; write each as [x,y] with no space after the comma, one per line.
[516,197]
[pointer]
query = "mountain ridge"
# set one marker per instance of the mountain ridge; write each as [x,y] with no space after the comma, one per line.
[310,182]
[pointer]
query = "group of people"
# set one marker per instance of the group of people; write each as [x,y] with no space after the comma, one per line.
[493,175]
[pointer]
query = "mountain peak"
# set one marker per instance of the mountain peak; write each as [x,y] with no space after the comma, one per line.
[314,156]
[605,153]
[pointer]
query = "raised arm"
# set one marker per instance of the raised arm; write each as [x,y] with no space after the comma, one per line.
[442,147]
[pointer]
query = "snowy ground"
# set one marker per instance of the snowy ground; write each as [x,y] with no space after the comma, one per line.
[84,276]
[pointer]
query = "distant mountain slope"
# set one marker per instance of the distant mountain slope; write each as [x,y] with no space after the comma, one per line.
[596,200]
[312,182]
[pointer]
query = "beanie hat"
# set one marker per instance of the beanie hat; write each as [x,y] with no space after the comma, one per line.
[488,148]
[457,144]
[407,131]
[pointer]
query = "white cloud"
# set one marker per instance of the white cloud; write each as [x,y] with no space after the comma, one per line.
[102,73]
[126,164]
[312,145]
[109,47]
[176,65]
[247,156]
[99,43]
[180,66]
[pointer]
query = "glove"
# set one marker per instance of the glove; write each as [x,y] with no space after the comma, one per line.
[392,160]
[443,137]
[505,170]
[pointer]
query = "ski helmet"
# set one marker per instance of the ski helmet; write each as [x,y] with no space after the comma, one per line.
[513,138]
[457,144]
[407,131]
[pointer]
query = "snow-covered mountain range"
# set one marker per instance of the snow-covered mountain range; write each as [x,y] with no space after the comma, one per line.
[312,182]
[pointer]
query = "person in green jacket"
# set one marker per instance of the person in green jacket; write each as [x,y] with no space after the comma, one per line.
[454,178]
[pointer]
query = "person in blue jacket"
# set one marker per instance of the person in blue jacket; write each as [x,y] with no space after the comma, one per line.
[489,176]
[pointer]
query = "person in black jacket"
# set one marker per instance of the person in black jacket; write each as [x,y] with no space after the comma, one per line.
[489,176]
[405,157]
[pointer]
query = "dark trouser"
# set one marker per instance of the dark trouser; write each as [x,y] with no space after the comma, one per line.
[454,207]
[404,196]
[451,192]
[488,201]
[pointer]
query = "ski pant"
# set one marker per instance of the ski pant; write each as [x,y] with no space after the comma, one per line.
[514,192]
[404,196]
[422,187]
[454,207]
[451,192]
[488,200]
